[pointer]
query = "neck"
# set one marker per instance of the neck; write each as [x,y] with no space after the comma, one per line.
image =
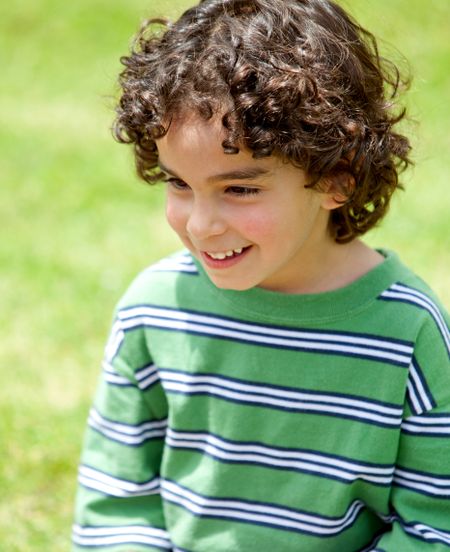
[336,266]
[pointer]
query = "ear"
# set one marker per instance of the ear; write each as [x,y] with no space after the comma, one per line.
[337,190]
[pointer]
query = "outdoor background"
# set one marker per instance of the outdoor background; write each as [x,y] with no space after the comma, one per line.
[76,225]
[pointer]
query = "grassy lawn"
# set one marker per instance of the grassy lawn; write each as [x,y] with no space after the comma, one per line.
[77,225]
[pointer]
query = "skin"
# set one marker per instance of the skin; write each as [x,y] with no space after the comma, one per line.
[218,202]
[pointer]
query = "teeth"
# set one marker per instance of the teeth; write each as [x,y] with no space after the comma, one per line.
[219,256]
[225,254]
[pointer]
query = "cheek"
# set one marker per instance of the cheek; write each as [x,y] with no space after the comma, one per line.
[260,226]
[175,214]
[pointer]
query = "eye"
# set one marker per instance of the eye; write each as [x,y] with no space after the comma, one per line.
[176,183]
[242,190]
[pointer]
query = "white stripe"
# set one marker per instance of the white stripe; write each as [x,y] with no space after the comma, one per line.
[412,395]
[423,430]
[274,391]
[258,513]
[429,489]
[184,326]
[423,478]
[181,316]
[304,405]
[111,376]
[370,547]
[433,307]
[423,425]
[443,420]
[420,389]
[423,301]
[120,530]
[117,540]
[99,481]
[127,434]
[146,376]
[115,340]
[179,262]
[185,383]
[390,518]
[172,266]
[427,532]
[274,457]
[109,536]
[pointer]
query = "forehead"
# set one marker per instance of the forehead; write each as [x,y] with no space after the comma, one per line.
[193,144]
[190,131]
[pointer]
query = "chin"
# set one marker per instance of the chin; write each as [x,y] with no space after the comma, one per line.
[232,286]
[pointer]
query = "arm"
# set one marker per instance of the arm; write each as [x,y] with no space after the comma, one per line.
[420,497]
[118,503]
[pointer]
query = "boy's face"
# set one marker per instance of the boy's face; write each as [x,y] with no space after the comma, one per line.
[250,222]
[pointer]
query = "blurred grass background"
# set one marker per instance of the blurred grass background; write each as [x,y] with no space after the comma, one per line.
[77,225]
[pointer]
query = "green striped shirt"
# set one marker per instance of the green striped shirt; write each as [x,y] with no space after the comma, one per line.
[260,421]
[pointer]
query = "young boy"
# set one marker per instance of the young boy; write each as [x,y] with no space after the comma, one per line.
[280,386]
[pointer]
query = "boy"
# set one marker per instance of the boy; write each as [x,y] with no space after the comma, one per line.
[280,385]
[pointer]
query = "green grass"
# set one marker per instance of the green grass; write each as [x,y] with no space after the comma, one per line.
[76,224]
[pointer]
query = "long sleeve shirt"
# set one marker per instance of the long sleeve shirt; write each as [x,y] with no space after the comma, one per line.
[261,421]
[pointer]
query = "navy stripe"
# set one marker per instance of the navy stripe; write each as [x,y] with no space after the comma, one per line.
[306,471]
[319,394]
[122,543]
[428,425]
[111,536]
[426,474]
[289,409]
[295,347]
[414,527]
[141,378]
[273,326]
[423,382]
[268,524]
[352,513]
[419,491]
[149,421]
[425,434]
[268,504]
[370,547]
[99,423]
[292,400]
[117,440]
[288,449]
[334,344]
[133,482]
[431,307]
[112,374]
[419,391]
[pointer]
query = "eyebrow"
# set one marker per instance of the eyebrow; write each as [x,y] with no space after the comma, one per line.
[246,173]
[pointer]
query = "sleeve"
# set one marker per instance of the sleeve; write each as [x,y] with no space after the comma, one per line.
[420,497]
[118,504]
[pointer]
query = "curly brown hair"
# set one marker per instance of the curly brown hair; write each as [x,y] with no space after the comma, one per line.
[295,78]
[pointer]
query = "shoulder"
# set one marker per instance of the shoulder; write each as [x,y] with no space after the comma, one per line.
[415,303]
[406,298]
[415,308]
[161,281]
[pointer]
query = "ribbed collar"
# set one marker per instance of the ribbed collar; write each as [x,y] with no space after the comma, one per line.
[314,308]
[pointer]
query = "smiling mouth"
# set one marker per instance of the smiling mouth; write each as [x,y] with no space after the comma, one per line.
[222,255]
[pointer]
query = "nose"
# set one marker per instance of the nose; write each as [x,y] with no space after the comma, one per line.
[205,220]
